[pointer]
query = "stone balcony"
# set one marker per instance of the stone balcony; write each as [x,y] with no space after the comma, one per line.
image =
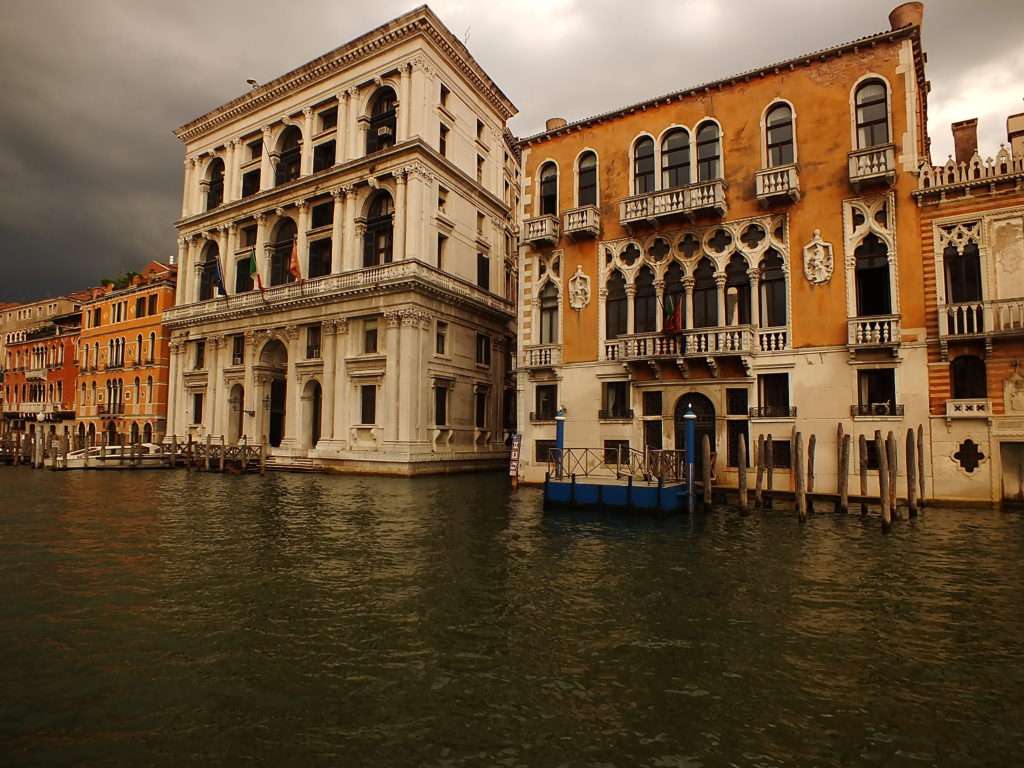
[707,344]
[968,408]
[35,374]
[538,356]
[407,273]
[541,229]
[777,184]
[981,319]
[875,332]
[583,222]
[694,198]
[873,165]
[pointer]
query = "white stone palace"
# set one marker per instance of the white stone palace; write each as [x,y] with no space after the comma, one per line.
[348,261]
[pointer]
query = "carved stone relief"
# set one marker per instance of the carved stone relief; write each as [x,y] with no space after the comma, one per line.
[579,289]
[819,260]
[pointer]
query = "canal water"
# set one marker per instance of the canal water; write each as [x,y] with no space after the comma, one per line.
[162,618]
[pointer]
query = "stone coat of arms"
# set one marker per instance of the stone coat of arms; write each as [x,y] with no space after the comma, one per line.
[579,289]
[819,262]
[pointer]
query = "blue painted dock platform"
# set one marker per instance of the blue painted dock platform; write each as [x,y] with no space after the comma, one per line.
[626,494]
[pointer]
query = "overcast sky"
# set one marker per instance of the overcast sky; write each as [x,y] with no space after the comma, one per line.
[92,177]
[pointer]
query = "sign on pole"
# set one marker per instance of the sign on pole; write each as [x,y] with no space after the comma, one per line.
[513,459]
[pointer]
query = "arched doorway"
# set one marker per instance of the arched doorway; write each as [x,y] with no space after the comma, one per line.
[111,433]
[92,435]
[274,360]
[705,412]
[147,433]
[236,409]
[81,435]
[312,398]
[135,432]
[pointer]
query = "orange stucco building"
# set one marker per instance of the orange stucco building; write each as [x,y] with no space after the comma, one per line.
[124,359]
[749,247]
[41,368]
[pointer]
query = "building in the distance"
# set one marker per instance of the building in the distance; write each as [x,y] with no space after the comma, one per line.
[124,359]
[347,260]
[749,247]
[972,235]
[41,366]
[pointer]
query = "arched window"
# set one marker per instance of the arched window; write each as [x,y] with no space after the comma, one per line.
[215,184]
[709,152]
[616,307]
[872,278]
[587,192]
[705,296]
[377,240]
[737,292]
[779,135]
[289,151]
[283,240]
[674,299]
[773,290]
[645,302]
[968,377]
[549,314]
[138,349]
[152,347]
[548,190]
[381,132]
[137,394]
[675,159]
[963,274]
[208,277]
[149,389]
[643,166]
[872,114]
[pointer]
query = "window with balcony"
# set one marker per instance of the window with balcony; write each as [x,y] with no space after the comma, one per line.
[773,395]
[616,307]
[675,159]
[872,116]
[709,152]
[483,271]
[320,257]
[773,290]
[645,302]
[705,296]
[368,404]
[383,123]
[876,392]
[587,179]
[643,166]
[237,349]
[871,274]
[243,274]
[674,299]
[208,278]
[215,184]
[440,404]
[377,240]
[737,291]
[546,402]
[370,345]
[968,380]
[313,342]
[615,400]
[480,407]
[283,241]
[549,314]
[548,189]
[779,136]
[963,274]
[289,156]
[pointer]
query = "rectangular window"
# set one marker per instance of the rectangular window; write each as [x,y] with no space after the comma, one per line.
[734,429]
[483,349]
[255,149]
[616,451]
[440,404]
[442,199]
[483,271]
[781,454]
[247,237]
[480,129]
[442,243]
[97,317]
[323,156]
[442,143]
[197,408]
[243,278]
[313,342]
[615,400]
[542,450]
[151,309]
[140,306]
[368,404]
[370,337]
[773,394]
[546,402]
[328,119]
[322,215]
[251,182]
[479,169]
[238,349]
[480,406]
[736,402]
[652,403]
[441,338]
[200,355]
[871,454]
[877,392]
[445,93]
[320,257]
[479,223]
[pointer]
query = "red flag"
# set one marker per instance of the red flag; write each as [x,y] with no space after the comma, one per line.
[293,264]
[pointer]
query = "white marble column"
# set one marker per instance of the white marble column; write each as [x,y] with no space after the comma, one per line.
[186,272]
[350,253]
[404,102]
[412,215]
[337,230]
[302,243]
[755,297]
[174,374]
[250,401]
[630,309]
[179,288]
[261,249]
[186,193]
[340,129]
[327,339]
[720,293]
[212,415]
[400,214]
[409,361]
[306,167]
[230,155]
[342,388]
[266,166]
[293,402]
[352,126]
[688,284]
[391,392]
[659,313]
[224,246]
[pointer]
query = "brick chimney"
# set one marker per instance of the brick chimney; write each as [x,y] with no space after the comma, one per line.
[1015,134]
[554,123]
[965,139]
[905,15]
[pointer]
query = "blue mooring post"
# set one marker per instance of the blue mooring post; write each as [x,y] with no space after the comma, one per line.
[560,439]
[691,451]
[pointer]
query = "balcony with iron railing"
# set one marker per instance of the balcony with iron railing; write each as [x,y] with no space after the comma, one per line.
[541,229]
[773,412]
[542,356]
[871,165]
[968,408]
[584,221]
[876,410]
[873,332]
[687,200]
[775,184]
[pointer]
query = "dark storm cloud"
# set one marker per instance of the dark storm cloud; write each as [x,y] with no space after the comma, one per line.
[91,175]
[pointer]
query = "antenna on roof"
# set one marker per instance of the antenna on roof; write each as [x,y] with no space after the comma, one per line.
[465,37]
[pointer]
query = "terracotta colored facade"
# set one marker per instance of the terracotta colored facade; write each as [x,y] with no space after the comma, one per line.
[40,375]
[124,357]
[814,216]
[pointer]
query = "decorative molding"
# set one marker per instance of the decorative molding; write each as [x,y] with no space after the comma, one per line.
[819,260]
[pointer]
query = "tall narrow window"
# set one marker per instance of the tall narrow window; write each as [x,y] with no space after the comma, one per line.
[675,159]
[289,162]
[872,278]
[548,190]
[381,133]
[963,274]
[368,404]
[709,152]
[674,300]
[313,342]
[442,140]
[705,296]
[215,184]
[773,290]
[282,242]
[377,240]
[872,114]
[370,336]
[616,307]
[737,292]
[779,135]
[442,247]
[483,271]
[549,314]
[643,166]
[968,377]
[645,302]
[480,406]
[440,404]
[587,192]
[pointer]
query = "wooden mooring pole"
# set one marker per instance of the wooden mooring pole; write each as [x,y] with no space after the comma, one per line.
[893,459]
[862,457]
[263,456]
[844,474]
[741,459]
[759,474]
[209,443]
[920,464]
[811,443]
[223,452]
[769,467]
[705,448]
[798,471]
[883,482]
[911,473]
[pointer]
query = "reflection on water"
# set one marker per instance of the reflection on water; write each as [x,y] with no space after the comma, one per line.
[161,618]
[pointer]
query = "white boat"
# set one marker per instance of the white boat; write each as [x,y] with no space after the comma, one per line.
[98,457]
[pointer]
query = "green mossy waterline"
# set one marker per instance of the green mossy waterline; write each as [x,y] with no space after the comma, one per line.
[168,618]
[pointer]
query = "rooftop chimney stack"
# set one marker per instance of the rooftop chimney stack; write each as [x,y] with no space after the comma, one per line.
[1015,134]
[905,15]
[965,139]
[554,123]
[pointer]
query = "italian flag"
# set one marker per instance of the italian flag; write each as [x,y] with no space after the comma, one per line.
[254,271]
[293,263]
[673,315]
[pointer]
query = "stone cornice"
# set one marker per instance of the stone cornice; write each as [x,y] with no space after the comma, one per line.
[420,21]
